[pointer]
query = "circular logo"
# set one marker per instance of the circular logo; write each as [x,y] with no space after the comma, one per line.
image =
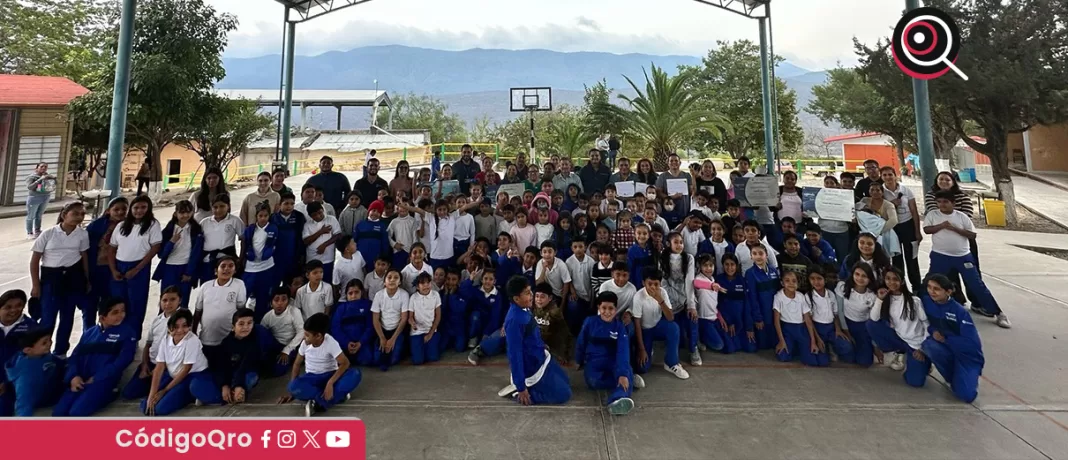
[925,44]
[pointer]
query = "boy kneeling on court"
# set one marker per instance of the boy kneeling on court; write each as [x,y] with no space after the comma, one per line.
[328,379]
[603,351]
[536,377]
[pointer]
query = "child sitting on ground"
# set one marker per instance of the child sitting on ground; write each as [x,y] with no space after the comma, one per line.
[36,374]
[180,363]
[284,322]
[236,369]
[13,325]
[317,296]
[603,352]
[138,387]
[327,379]
[424,310]
[390,313]
[92,377]
[352,327]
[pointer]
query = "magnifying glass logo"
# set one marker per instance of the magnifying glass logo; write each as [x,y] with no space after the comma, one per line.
[925,44]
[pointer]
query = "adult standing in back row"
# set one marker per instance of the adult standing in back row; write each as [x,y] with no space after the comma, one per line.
[682,202]
[466,169]
[335,185]
[594,175]
[370,184]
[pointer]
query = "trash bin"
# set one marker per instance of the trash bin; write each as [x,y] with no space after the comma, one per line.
[995,212]
[967,175]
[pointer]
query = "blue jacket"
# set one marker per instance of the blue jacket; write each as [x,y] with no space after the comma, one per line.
[760,289]
[268,247]
[705,247]
[731,304]
[96,230]
[563,239]
[489,307]
[9,343]
[955,323]
[372,239]
[827,253]
[168,248]
[28,373]
[638,258]
[352,322]
[102,354]
[454,311]
[506,268]
[604,344]
[526,349]
[289,245]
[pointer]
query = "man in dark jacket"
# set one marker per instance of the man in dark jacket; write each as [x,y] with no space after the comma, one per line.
[595,174]
[465,170]
[370,184]
[335,185]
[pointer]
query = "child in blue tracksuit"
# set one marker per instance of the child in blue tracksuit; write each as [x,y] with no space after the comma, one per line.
[738,335]
[536,378]
[817,249]
[99,274]
[352,327]
[258,243]
[179,259]
[487,309]
[289,246]
[59,270]
[371,235]
[95,367]
[136,242]
[455,313]
[36,374]
[603,351]
[327,378]
[954,346]
[761,284]
[832,341]
[640,254]
[15,326]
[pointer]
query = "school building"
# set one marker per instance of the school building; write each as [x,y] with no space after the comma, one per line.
[35,127]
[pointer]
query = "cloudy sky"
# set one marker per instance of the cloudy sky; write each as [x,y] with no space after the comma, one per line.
[814,34]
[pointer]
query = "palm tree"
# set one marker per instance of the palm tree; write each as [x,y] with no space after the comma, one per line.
[666,114]
[570,137]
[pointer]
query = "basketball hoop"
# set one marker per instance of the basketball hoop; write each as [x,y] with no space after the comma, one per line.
[534,99]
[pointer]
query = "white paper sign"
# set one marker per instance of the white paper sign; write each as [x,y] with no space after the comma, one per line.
[640,187]
[512,190]
[625,189]
[677,186]
[835,204]
[757,191]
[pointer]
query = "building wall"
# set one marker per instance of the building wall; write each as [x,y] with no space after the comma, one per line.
[1049,148]
[1017,155]
[52,121]
[189,161]
[856,154]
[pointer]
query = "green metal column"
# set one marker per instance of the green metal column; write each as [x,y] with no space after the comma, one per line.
[287,104]
[766,89]
[922,105]
[117,138]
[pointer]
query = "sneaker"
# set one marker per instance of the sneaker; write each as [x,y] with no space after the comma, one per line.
[621,406]
[702,347]
[348,397]
[198,403]
[472,343]
[507,391]
[898,363]
[834,356]
[639,382]
[30,236]
[695,358]
[475,356]
[1003,321]
[309,408]
[981,312]
[678,371]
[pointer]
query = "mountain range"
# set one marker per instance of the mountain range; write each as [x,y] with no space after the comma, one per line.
[474,83]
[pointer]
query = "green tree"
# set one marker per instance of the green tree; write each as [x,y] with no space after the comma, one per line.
[176,60]
[666,113]
[597,113]
[569,136]
[224,129]
[411,111]
[64,38]
[514,135]
[729,83]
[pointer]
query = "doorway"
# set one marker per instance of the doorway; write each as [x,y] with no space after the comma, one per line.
[174,168]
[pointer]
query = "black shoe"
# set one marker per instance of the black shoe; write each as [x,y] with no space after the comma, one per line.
[981,312]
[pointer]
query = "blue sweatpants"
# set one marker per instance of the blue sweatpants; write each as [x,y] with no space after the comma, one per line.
[171,275]
[493,344]
[328,272]
[62,301]
[575,314]
[969,274]
[137,387]
[456,330]
[842,347]
[135,293]
[688,331]
[100,279]
[601,375]
[271,350]
[963,377]
[93,397]
[424,351]
[209,392]
[459,247]
[179,396]
[715,338]
[259,286]
[797,344]
[441,263]
[554,386]
[666,331]
[887,340]
[310,387]
[766,338]
[863,351]
[384,360]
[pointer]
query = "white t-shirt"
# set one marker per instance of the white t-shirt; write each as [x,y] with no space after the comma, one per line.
[423,307]
[441,236]
[58,249]
[624,295]
[823,307]
[187,351]
[133,247]
[912,331]
[903,211]
[259,243]
[690,240]
[745,258]
[791,206]
[504,226]
[948,242]
[312,251]
[287,328]
[464,228]
[390,307]
[157,333]
[218,304]
[557,276]
[320,359]
[720,249]
[793,310]
[183,248]
[346,270]
[647,309]
[707,301]
[410,273]
[373,283]
[543,233]
[858,306]
[220,234]
[310,302]
[581,271]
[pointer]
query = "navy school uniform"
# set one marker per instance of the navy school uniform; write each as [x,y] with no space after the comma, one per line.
[637,259]
[9,348]
[99,273]
[134,291]
[760,289]
[528,272]
[236,364]
[63,281]
[827,253]
[604,349]
[260,283]
[532,367]
[102,355]
[506,268]
[372,239]
[37,381]
[826,331]
[707,247]
[732,308]
[171,275]
[455,313]
[289,244]
[960,357]
[562,239]
[353,322]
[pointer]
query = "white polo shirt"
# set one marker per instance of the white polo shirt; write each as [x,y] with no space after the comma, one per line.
[390,307]
[624,295]
[647,309]
[690,240]
[793,310]
[581,271]
[557,276]
[183,248]
[218,303]
[220,234]
[259,243]
[157,334]
[423,306]
[858,306]
[133,247]
[310,302]
[948,242]
[320,359]
[912,331]
[410,273]
[312,250]
[823,307]
[58,249]
[187,351]
[346,270]
[441,236]
[707,301]
[287,328]
[373,284]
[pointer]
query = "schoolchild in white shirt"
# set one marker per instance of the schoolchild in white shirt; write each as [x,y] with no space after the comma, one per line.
[580,267]
[138,386]
[317,296]
[221,231]
[351,264]
[898,326]
[412,270]
[216,304]
[257,252]
[793,323]
[402,235]
[375,280]
[328,379]
[59,270]
[832,341]
[858,298]
[284,323]
[554,271]
[654,320]
[620,285]
[136,242]
[180,362]
[424,317]
[390,316]
[320,233]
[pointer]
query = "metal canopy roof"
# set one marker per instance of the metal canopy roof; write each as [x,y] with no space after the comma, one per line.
[312,97]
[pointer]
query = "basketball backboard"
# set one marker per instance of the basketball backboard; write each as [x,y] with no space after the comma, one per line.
[537,99]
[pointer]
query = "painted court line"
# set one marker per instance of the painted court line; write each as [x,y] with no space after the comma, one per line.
[1022,401]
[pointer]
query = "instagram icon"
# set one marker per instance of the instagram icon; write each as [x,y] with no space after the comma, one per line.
[287,439]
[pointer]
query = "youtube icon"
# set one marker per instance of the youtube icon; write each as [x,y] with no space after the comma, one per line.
[337,439]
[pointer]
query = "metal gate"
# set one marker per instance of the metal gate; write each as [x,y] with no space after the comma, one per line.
[32,151]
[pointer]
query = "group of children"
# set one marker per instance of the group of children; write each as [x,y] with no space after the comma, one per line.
[596,277]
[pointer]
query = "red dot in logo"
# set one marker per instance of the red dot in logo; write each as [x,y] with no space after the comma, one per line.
[905,38]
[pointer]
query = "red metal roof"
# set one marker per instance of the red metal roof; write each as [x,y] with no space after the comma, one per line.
[35,91]
[846,137]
